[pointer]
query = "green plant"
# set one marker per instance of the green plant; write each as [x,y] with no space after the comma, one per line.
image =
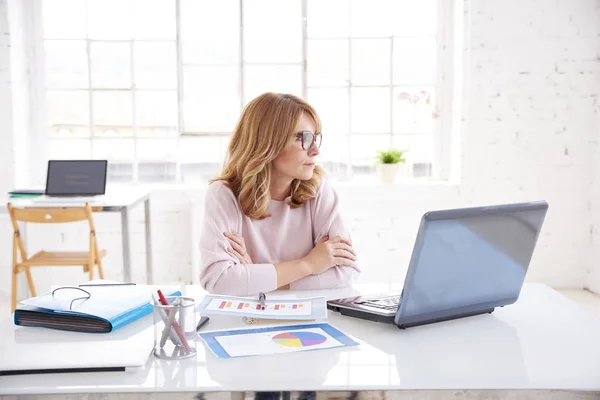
[390,157]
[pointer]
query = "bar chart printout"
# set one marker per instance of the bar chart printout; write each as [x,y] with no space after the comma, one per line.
[250,307]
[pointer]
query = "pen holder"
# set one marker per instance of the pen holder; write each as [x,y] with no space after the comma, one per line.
[175,328]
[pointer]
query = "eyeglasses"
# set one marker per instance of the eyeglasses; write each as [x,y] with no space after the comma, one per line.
[308,138]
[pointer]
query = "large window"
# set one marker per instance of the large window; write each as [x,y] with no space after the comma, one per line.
[156,86]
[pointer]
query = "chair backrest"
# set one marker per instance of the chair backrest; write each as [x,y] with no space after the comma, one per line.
[51,215]
[48,216]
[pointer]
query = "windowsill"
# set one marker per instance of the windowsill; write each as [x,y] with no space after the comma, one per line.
[350,184]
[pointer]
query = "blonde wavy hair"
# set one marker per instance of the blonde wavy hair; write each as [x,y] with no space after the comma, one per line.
[266,127]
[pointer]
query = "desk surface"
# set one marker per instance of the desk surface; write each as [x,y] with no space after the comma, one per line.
[116,197]
[544,341]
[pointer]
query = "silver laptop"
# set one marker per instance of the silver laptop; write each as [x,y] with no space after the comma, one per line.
[465,262]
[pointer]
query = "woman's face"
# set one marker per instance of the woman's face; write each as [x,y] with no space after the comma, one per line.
[294,162]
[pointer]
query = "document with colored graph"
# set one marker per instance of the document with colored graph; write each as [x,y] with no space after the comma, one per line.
[275,340]
[304,309]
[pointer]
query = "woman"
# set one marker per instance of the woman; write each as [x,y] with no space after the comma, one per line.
[271,219]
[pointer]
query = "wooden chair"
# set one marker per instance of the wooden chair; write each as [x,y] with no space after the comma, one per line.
[87,259]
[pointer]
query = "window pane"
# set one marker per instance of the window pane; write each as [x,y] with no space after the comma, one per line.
[210,31]
[282,78]
[66,64]
[371,18]
[208,149]
[414,110]
[403,143]
[371,61]
[332,106]
[113,149]
[328,19]
[421,148]
[112,108]
[370,110]
[154,19]
[211,98]
[113,131]
[111,65]
[120,172]
[155,65]
[160,171]
[68,149]
[199,172]
[68,113]
[273,31]
[69,131]
[109,19]
[415,17]
[327,63]
[333,148]
[157,149]
[364,148]
[64,19]
[213,51]
[156,113]
[414,60]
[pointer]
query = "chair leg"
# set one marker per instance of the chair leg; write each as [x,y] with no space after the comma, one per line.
[13,303]
[91,271]
[100,270]
[30,282]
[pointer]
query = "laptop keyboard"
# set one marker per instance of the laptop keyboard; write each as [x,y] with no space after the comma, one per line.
[386,303]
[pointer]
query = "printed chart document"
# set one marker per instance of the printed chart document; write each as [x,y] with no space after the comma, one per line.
[275,340]
[283,309]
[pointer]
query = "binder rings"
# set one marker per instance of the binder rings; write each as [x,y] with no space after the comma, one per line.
[106,309]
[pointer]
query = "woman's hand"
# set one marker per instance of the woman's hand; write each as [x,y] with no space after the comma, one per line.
[238,248]
[328,253]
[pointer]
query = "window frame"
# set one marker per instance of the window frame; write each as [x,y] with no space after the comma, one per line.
[444,87]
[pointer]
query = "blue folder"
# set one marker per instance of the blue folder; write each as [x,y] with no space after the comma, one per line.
[106,309]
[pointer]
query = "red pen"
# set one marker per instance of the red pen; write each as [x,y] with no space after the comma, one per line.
[163,301]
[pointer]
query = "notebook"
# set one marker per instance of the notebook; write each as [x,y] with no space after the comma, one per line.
[93,309]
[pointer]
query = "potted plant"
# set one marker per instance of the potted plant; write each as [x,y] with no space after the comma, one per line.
[387,166]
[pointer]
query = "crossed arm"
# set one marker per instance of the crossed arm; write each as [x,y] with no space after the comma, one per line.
[326,254]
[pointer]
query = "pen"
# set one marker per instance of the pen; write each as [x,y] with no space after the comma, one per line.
[163,301]
[203,321]
[107,284]
[164,317]
[168,324]
[261,299]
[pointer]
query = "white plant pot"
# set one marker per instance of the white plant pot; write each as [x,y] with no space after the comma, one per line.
[387,173]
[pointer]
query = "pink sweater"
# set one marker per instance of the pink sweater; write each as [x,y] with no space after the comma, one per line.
[288,234]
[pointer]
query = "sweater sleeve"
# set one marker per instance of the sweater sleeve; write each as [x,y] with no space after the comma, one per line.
[221,272]
[327,221]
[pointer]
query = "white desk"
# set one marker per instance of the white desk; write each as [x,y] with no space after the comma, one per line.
[117,199]
[543,342]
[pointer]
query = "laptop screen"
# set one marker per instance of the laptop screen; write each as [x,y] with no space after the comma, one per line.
[76,177]
[471,260]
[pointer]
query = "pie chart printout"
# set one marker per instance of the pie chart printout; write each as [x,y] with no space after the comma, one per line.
[299,339]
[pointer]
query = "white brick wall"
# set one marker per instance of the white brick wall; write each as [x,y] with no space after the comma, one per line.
[531,131]
[6,105]
[594,263]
